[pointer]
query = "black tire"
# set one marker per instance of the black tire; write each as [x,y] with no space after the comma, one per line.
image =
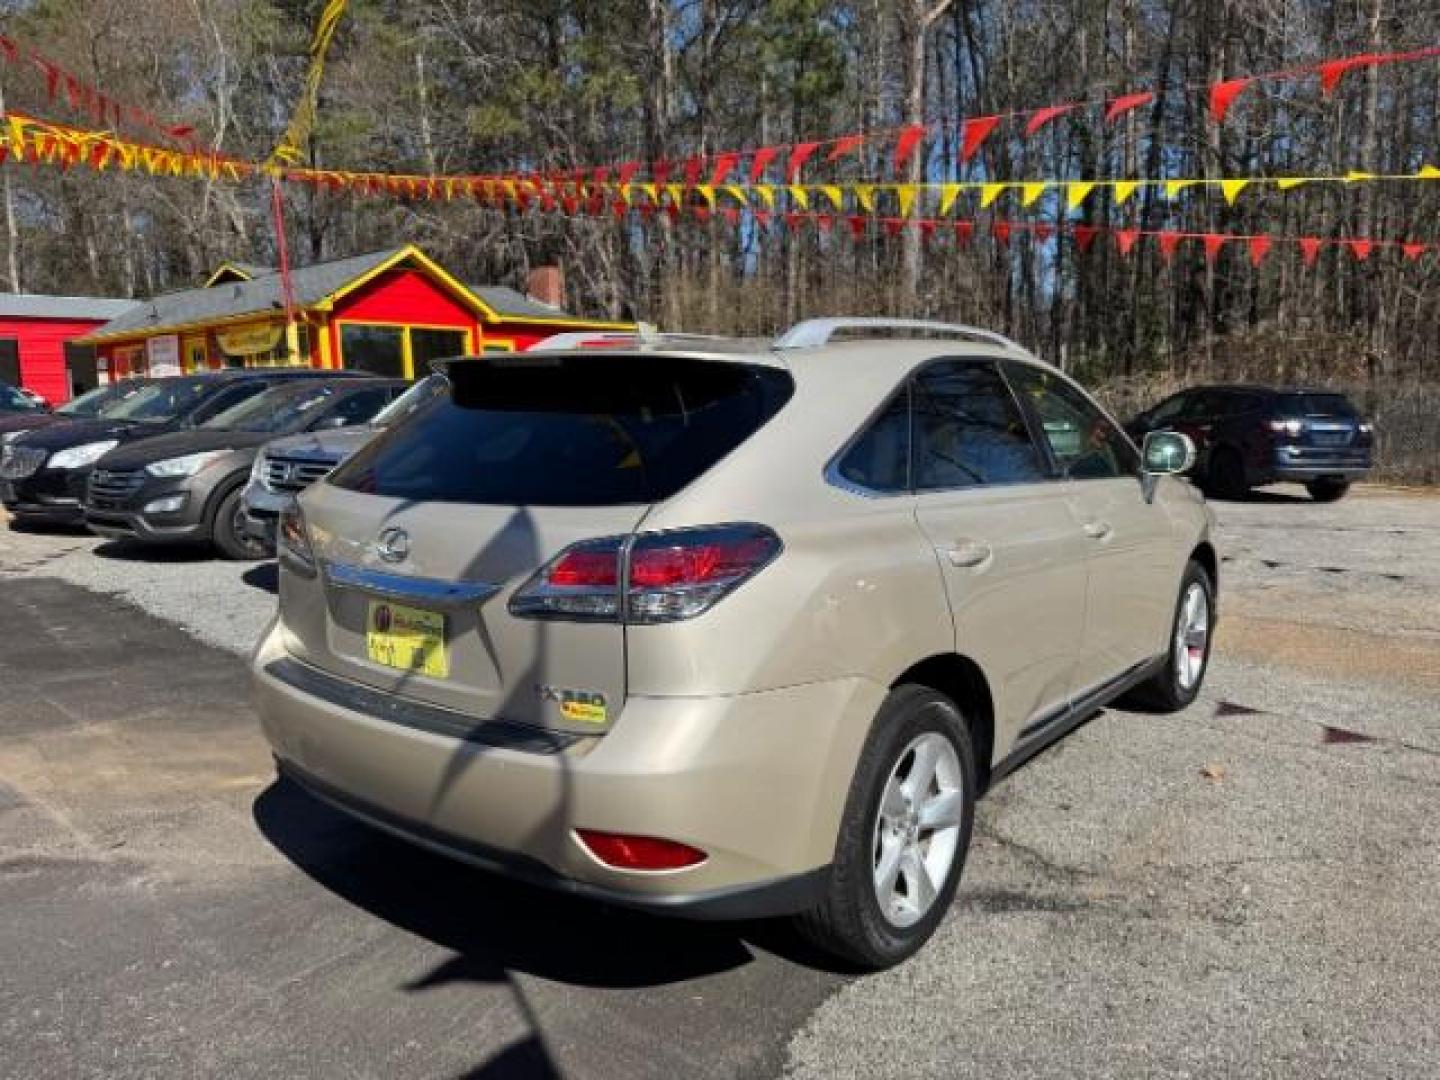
[1327,490]
[1226,475]
[227,534]
[849,923]
[1164,692]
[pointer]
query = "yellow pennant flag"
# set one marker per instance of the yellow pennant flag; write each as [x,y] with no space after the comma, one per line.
[1354,175]
[291,146]
[1174,187]
[1124,189]
[767,195]
[948,194]
[1428,172]
[990,192]
[905,194]
[865,196]
[836,196]
[652,192]
[1231,189]
[1285,183]
[625,190]
[1031,192]
[676,193]
[736,192]
[799,196]
[707,192]
[1076,194]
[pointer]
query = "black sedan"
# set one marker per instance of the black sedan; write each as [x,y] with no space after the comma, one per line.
[186,486]
[43,472]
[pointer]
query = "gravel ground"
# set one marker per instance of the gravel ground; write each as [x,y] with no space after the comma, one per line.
[1246,889]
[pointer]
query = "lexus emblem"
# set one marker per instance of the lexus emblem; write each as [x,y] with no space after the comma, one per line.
[393,545]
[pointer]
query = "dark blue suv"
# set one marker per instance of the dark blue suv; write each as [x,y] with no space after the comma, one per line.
[1248,436]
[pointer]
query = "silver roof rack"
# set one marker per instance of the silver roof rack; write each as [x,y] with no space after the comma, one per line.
[815,332]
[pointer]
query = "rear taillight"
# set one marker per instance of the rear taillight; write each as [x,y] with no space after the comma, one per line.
[659,577]
[625,852]
[1293,428]
[292,541]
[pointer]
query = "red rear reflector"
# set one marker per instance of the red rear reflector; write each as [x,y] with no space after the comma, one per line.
[639,852]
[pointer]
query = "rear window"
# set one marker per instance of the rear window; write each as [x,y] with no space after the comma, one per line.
[593,430]
[1316,405]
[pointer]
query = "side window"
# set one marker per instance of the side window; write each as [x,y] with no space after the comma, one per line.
[969,431]
[228,399]
[1086,445]
[879,460]
[357,408]
[1170,409]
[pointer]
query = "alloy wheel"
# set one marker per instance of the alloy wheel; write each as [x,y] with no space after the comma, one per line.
[1192,636]
[917,830]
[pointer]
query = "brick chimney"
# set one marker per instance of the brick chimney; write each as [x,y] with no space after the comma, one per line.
[546,284]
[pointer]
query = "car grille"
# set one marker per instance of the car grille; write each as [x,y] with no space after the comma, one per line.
[109,490]
[19,462]
[286,476]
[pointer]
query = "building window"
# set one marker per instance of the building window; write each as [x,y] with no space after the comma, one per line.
[429,345]
[378,349]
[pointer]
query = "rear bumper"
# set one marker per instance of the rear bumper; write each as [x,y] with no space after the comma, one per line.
[756,781]
[1303,464]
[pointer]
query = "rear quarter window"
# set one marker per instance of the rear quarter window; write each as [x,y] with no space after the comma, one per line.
[593,430]
[1315,405]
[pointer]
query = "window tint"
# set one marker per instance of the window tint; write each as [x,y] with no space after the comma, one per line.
[359,407]
[569,431]
[1170,409]
[1085,444]
[879,460]
[969,430]
[1316,405]
[227,399]
[161,400]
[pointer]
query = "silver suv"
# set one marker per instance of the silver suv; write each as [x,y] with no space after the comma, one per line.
[727,629]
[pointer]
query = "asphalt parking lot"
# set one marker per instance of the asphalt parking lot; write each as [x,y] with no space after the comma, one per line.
[1248,888]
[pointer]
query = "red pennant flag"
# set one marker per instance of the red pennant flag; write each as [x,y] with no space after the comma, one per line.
[1259,248]
[1001,231]
[1040,117]
[793,218]
[1310,249]
[1413,251]
[1213,243]
[905,145]
[72,90]
[4,153]
[731,214]
[825,222]
[1360,249]
[964,232]
[52,76]
[1125,240]
[660,172]
[724,166]
[9,48]
[701,212]
[927,228]
[858,224]
[762,218]
[1122,105]
[798,157]
[1223,95]
[672,211]
[893,225]
[973,132]
[846,144]
[571,204]
[1085,236]
[1333,70]
[620,208]
[1042,231]
[692,171]
[626,172]
[761,161]
[602,174]
[1169,241]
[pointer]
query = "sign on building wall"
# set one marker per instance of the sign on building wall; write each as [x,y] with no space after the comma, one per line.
[162,355]
[249,340]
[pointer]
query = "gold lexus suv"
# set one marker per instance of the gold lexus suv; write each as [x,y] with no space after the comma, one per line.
[731,629]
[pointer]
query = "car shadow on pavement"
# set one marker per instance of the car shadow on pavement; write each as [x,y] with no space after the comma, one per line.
[264,576]
[1262,496]
[132,551]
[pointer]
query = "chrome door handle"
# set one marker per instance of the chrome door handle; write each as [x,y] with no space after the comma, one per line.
[968,554]
[1097,530]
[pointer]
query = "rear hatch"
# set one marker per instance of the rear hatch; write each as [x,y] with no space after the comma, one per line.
[1322,421]
[424,536]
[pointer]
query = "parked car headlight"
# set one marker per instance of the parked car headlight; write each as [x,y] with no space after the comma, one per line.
[188,465]
[257,472]
[77,457]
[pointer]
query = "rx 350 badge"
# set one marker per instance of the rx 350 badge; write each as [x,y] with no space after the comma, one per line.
[579,706]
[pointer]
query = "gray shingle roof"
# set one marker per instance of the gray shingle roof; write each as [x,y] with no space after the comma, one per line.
[35,306]
[311,284]
[504,300]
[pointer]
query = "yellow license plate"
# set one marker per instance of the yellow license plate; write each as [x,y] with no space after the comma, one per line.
[407,638]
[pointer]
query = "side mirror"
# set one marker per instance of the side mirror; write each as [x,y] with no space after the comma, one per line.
[1168,452]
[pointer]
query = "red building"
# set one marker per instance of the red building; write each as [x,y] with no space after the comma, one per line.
[390,312]
[38,347]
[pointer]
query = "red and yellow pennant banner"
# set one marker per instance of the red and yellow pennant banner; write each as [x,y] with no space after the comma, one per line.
[290,149]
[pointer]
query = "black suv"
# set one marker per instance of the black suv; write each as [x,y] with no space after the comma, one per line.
[43,472]
[186,487]
[1247,436]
